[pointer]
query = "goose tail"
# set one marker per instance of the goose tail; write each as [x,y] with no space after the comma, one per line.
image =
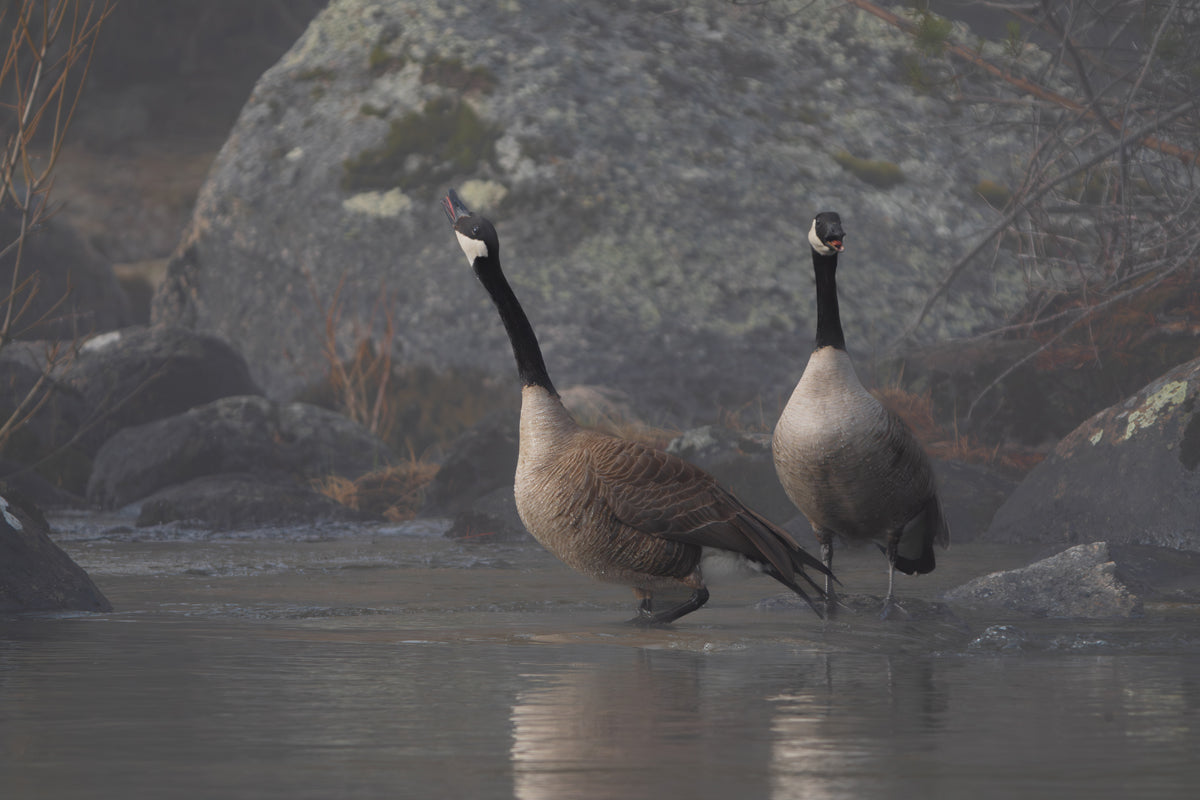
[914,550]
[791,564]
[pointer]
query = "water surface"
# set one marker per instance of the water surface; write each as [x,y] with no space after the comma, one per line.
[388,662]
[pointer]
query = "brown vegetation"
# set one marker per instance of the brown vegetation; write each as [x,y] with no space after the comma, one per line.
[395,493]
[49,48]
[917,411]
[1102,215]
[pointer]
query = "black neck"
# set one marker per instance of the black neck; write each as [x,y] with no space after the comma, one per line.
[530,366]
[829,323]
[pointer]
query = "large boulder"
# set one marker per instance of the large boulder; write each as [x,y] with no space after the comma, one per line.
[72,400]
[140,374]
[35,574]
[652,175]
[236,501]
[234,434]
[1128,474]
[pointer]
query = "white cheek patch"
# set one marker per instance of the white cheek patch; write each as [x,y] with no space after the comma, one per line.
[816,242]
[474,248]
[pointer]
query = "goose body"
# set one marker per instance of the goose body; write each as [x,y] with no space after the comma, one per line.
[851,466]
[619,511]
[568,481]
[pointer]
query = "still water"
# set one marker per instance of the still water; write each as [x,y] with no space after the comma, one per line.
[389,662]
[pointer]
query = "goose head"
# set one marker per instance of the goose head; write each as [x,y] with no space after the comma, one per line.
[476,235]
[826,234]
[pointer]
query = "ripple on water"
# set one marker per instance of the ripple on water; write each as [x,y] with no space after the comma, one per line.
[120,526]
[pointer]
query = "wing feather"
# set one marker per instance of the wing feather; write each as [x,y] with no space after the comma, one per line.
[662,495]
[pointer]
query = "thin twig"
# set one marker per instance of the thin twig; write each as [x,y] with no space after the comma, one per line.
[1020,206]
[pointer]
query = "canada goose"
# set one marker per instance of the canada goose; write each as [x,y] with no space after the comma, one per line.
[617,510]
[852,467]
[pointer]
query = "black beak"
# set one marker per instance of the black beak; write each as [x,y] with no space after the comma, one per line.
[454,207]
[835,237]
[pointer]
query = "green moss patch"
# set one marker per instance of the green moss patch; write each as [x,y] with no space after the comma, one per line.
[447,137]
[453,74]
[932,33]
[997,195]
[316,74]
[379,60]
[881,174]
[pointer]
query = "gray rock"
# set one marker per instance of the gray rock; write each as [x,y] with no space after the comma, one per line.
[35,574]
[233,434]
[141,374]
[1082,581]
[21,480]
[479,462]
[76,293]
[741,461]
[236,501]
[24,370]
[491,518]
[1129,471]
[1000,639]
[970,494]
[652,176]
[1158,574]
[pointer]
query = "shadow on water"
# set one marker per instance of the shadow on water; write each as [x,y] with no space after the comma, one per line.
[393,663]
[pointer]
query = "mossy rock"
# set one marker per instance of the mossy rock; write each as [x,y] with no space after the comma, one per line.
[932,33]
[379,60]
[880,174]
[995,194]
[316,74]
[453,74]
[447,137]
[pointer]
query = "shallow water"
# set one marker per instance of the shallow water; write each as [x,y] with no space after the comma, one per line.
[388,662]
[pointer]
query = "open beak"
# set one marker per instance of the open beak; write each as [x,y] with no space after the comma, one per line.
[454,207]
[836,244]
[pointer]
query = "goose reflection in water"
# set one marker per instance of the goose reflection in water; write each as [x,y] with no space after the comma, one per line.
[679,724]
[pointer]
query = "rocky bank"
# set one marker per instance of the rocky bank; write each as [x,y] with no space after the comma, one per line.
[652,170]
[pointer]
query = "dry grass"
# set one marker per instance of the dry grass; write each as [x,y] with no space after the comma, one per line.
[395,493]
[360,382]
[751,417]
[413,408]
[917,411]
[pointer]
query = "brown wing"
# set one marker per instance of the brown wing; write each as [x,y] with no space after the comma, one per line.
[664,496]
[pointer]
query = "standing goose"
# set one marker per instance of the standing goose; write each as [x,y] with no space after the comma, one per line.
[616,510]
[852,467]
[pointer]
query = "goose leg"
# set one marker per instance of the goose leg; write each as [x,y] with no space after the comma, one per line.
[889,602]
[645,608]
[825,538]
[646,618]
